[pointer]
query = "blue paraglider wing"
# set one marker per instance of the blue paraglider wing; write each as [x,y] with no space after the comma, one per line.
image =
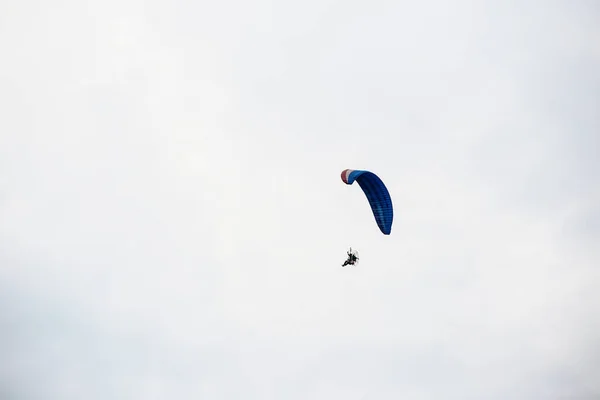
[377,194]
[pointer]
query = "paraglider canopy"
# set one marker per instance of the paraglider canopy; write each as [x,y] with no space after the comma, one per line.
[377,195]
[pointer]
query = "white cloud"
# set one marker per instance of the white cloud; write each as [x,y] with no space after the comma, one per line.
[172,217]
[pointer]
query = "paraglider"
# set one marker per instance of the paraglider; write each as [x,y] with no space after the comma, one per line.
[352,258]
[377,195]
[379,200]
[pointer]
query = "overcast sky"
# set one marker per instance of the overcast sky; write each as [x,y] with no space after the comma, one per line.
[172,218]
